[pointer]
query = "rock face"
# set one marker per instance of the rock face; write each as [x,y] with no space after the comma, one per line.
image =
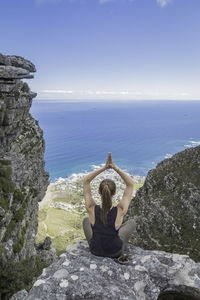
[23,180]
[80,275]
[167,207]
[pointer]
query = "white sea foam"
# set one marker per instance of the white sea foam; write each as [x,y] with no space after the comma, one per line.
[168,155]
[74,183]
[109,173]
[192,144]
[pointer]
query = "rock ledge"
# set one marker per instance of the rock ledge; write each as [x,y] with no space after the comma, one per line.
[80,275]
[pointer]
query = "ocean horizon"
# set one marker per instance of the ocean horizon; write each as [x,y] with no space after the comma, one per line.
[139,134]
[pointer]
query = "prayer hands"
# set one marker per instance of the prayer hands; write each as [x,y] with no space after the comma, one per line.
[109,163]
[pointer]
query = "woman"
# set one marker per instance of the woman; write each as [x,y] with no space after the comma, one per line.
[103,229]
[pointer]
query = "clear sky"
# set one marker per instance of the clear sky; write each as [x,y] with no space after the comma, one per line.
[106,49]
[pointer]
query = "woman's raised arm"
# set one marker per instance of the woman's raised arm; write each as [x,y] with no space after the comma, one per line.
[89,201]
[128,192]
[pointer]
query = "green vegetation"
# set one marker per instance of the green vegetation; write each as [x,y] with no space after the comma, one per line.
[137,186]
[42,214]
[25,88]
[19,245]
[5,172]
[17,276]
[17,95]
[34,191]
[6,185]
[63,227]
[10,228]
[19,215]
[18,196]
[62,199]
[5,162]
[4,203]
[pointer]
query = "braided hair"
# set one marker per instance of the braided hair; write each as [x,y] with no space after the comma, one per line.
[107,189]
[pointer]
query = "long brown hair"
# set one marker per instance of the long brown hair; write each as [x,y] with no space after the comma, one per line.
[107,189]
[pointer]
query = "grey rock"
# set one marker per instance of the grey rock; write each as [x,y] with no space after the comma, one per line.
[2,59]
[17,61]
[10,72]
[45,245]
[47,256]
[7,87]
[8,246]
[2,212]
[22,166]
[46,252]
[167,206]
[19,295]
[60,274]
[80,275]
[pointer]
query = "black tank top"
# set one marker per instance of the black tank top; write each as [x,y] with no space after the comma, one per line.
[105,240]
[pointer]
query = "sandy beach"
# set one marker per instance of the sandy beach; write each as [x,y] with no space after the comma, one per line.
[47,198]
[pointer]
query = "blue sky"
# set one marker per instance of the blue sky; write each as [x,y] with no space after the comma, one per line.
[106,49]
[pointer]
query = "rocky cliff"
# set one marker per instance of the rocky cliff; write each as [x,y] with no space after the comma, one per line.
[23,180]
[167,207]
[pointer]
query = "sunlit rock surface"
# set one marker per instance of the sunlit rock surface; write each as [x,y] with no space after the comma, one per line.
[80,275]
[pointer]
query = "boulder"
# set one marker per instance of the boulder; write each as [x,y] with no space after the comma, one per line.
[150,274]
[46,252]
[17,61]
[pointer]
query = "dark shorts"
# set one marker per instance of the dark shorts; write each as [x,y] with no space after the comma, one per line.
[116,254]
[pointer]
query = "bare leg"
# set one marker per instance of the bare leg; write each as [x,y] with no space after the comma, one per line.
[87,229]
[125,231]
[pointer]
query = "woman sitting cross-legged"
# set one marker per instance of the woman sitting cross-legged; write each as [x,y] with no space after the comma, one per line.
[103,229]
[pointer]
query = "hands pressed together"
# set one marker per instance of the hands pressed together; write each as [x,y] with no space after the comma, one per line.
[109,163]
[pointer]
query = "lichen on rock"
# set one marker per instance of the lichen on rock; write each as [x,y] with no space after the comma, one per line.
[148,275]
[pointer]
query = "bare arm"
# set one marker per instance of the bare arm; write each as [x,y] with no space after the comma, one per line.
[128,192]
[89,201]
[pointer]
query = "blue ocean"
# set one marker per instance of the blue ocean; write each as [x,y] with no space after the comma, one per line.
[139,134]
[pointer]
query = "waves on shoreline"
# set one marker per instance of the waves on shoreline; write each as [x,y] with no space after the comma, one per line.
[76,177]
[109,173]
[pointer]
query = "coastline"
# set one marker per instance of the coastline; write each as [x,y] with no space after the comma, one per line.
[63,186]
[62,209]
[47,198]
